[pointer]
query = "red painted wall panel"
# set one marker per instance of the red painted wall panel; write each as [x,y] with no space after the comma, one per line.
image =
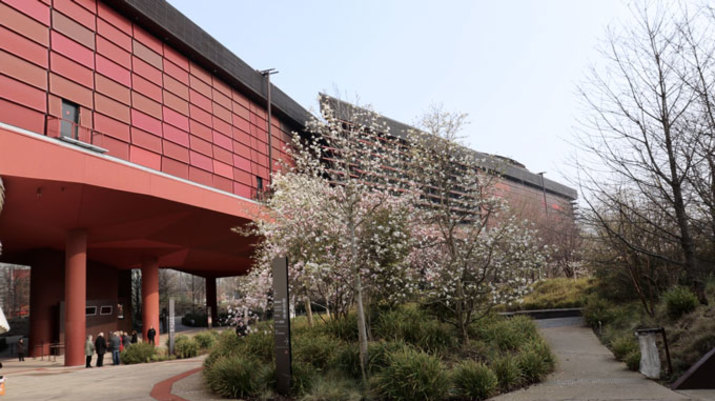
[24,25]
[22,93]
[22,70]
[72,49]
[23,47]
[151,105]
[33,9]
[175,135]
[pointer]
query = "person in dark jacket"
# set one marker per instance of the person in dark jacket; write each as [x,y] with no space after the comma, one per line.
[100,347]
[135,338]
[21,350]
[151,335]
[114,342]
[126,341]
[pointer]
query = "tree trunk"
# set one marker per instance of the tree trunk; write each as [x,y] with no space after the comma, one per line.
[309,312]
[362,327]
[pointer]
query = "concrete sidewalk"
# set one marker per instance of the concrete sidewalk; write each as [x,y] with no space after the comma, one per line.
[586,370]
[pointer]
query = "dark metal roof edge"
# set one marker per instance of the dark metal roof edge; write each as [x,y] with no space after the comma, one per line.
[174,28]
[512,172]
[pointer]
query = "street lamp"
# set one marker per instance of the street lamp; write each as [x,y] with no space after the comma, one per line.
[543,189]
[267,75]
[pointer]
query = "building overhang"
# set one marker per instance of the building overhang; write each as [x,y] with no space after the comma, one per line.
[130,212]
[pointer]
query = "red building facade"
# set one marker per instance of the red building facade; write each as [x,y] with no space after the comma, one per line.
[129,138]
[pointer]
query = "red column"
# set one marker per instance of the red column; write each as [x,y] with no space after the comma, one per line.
[211,298]
[75,296]
[150,297]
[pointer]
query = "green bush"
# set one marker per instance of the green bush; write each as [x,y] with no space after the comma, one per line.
[623,345]
[557,293]
[412,375]
[508,372]
[138,353]
[541,348]
[228,344]
[235,377]
[185,347]
[258,344]
[533,365]
[509,334]
[633,360]
[206,339]
[342,328]
[333,389]
[679,301]
[414,326]
[597,311]
[303,376]
[474,381]
[317,350]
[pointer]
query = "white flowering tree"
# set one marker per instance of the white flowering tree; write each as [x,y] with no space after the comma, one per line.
[336,215]
[473,254]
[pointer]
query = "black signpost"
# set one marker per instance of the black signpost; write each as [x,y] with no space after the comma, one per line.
[281,321]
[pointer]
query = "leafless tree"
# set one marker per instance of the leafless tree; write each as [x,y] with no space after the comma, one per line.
[647,129]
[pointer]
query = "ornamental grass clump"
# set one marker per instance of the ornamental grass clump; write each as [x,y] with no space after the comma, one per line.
[185,347]
[473,380]
[679,301]
[138,353]
[235,377]
[508,373]
[412,375]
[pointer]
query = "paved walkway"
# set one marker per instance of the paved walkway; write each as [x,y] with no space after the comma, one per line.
[586,370]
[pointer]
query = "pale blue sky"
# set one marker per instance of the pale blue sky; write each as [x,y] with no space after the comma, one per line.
[513,66]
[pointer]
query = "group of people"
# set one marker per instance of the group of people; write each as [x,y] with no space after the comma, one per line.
[117,342]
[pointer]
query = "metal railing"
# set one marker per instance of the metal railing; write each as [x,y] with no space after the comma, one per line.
[73,132]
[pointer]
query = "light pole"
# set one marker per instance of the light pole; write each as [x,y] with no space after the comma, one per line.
[267,75]
[543,189]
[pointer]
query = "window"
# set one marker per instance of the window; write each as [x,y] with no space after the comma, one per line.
[105,310]
[259,184]
[91,311]
[70,120]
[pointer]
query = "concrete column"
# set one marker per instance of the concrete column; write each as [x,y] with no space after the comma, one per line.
[150,297]
[75,296]
[211,298]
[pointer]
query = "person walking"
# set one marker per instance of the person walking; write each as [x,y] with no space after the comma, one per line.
[126,341]
[89,351]
[114,343]
[100,346]
[151,335]
[21,350]
[135,338]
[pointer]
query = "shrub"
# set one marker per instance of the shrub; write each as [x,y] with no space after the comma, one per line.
[138,353]
[474,380]
[509,334]
[195,319]
[185,347]
[333,389]
[302,377]
[415,327]
[234,377]
[557,293]
[258,344]
[539,346]
[679,301]
[412,375]
[623,345]
[532,365]
[317,350]
[597,311]
[206,339]
[228,344]
[508,373]
[633,360]
[343,328]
